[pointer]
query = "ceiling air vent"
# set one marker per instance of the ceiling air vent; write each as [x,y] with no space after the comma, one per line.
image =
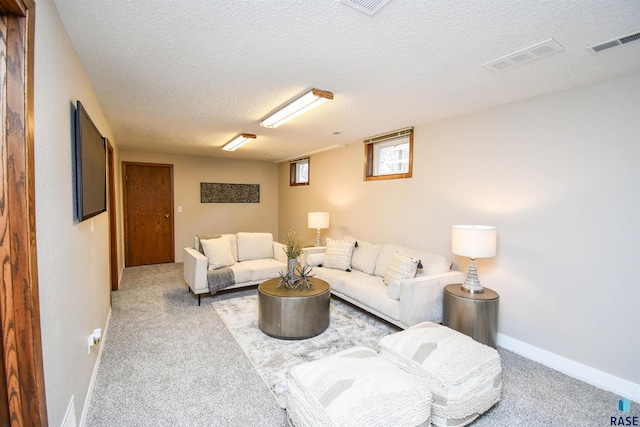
[527,54]
[614,42]
[370,7]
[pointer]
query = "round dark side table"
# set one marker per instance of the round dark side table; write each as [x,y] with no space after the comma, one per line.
[475,315]
[293,314]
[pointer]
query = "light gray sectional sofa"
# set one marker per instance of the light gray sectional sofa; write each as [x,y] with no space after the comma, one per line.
[400,285]
[403,301]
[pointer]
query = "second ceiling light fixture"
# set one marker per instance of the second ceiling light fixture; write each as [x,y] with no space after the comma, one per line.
[293,109]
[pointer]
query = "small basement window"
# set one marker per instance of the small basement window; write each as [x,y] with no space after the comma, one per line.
[389,156]
[299,172]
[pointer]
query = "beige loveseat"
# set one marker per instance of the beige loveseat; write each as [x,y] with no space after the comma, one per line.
[237,260]
[360,275]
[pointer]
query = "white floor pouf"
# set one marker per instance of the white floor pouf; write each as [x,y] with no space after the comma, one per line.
[356,387]
[464,376]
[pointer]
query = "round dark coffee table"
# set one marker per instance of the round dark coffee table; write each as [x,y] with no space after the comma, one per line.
[293,314]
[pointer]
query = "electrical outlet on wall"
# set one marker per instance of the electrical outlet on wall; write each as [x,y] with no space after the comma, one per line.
[94,339]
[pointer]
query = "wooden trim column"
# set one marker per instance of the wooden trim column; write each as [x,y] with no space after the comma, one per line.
[19,305]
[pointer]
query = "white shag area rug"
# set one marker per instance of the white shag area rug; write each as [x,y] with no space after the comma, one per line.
[272,357]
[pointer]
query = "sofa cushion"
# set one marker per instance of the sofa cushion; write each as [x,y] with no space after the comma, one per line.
[257,270]
[279,252]
[334,277]
[365,255]
[400,267]
[368,291]
[254,246]
[234,245]
[315,260]
[263,269]
[338,254]
[241,272]
[393,290]
[431,263]
[218,252]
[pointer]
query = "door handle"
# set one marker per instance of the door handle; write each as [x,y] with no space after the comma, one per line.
[166,215]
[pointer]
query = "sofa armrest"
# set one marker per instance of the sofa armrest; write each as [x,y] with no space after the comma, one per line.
[421,297]
[195,270]
[316,251]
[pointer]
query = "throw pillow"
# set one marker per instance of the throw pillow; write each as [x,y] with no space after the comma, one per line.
[201,237]
[400,267]
[218,252]
[338,254]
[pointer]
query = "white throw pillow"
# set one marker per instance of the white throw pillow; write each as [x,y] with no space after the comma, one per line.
[400,267]
[338,254]
[218,252]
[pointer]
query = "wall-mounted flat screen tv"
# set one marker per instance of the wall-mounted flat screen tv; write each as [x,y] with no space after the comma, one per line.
[91,167]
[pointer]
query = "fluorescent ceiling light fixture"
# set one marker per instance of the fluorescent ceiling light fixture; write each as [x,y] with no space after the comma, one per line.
[238,141]
[306,102]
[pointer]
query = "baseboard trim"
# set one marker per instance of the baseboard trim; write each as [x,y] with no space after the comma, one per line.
[603,380]
[83,419]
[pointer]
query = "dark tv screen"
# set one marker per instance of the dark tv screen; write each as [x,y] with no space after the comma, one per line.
[91,167]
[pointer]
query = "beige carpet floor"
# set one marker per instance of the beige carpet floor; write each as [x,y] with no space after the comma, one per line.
[167,362]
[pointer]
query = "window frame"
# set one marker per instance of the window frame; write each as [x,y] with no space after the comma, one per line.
[293,172]
[370,148]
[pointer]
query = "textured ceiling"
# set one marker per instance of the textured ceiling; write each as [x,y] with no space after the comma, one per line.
[186,76]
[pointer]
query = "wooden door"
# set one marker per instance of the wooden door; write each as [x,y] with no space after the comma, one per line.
[148,213]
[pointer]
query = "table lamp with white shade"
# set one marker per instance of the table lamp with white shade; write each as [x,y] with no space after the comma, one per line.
[473,241]
[318,220]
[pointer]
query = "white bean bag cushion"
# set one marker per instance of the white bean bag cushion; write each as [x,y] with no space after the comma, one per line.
[353,388]
[464,376]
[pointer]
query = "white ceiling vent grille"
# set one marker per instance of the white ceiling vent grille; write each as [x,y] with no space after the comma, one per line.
[614,42]
[527,54]
[370,7]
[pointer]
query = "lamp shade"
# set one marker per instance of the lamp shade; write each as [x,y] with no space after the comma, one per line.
[473,241]
[318,220]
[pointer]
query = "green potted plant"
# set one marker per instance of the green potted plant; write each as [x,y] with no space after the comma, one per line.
[293,249]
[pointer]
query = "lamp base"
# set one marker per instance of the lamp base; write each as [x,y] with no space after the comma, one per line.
[472,283]
[318,242]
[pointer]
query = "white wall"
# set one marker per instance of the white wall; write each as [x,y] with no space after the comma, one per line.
[199,218]
[558,175]
[73,259]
